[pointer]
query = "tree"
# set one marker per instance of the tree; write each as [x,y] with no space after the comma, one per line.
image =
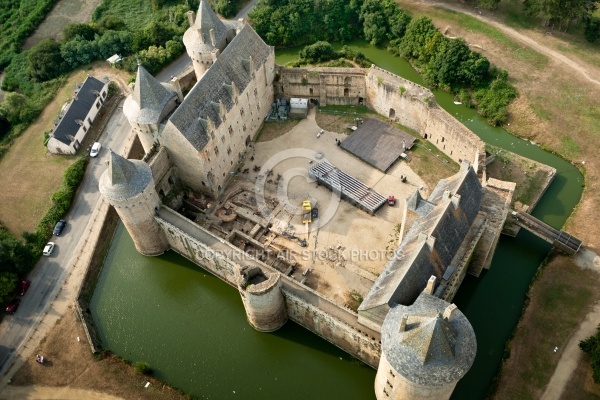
[317,52]
[79,51]
[419,31]
[16,109]
[591,346]
[86,31]
[45,61]
[8,285]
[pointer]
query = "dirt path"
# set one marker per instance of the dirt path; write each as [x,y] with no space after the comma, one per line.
[571,356]
[520,37]
[53,393]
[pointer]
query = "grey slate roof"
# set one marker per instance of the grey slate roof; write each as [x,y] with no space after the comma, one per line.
[432,351]
[124,178]
[148,100]
[78,110]
[429,245]
[246,52]
[197,37]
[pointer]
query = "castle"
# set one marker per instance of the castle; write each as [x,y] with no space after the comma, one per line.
[406,328]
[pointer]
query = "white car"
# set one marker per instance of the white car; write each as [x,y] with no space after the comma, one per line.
[95,149]
[48,248]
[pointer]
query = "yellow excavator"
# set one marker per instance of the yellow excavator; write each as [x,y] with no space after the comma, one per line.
[306,212]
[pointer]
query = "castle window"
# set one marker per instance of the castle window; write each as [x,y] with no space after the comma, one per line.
[244,128]
[255,92]
[310,91]
[443,139]
[229,150]
[242,112]
[98,104]
[216,151]
[223,139]
[104,94]
[230,130]
[346,92]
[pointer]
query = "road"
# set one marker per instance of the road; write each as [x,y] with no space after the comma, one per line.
[50,273]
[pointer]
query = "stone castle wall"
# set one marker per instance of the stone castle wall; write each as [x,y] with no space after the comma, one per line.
[264,304]
[389,384]
[414,106]
[400,100]
[306,307]
[333,86]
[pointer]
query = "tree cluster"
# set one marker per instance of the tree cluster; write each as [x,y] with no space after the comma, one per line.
[591,346]
[560,14]
[286,23]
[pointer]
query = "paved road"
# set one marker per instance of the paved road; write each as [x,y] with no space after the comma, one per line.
[51,272]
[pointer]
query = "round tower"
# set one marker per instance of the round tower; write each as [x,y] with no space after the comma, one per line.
[129,187]
[426,349]
[206,37]
[262,298]
[148,105]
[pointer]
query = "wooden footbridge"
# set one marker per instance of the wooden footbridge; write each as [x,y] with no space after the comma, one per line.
[559,239]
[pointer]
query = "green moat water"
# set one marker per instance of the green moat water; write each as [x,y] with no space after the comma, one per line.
[191,327]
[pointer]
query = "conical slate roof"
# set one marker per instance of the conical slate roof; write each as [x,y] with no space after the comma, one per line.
[148,100]
[197,37]
[429,349]
[124,178]
[432,339]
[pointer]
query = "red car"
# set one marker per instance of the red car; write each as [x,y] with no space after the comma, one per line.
[24,287]
[12,307]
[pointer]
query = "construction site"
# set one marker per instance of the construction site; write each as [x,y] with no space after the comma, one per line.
[332,233]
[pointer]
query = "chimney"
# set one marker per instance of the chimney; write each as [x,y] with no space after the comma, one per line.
[430,285]
[191,17]
[403,321]
[177,87]
[450,312]
[201,35]
[213,41]
[455,200]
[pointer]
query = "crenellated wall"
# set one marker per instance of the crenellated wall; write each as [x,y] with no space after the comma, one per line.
[305,306]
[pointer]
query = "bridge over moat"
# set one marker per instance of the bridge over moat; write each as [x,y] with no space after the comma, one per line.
[559,238]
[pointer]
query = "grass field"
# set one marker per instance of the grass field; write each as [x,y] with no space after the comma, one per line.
[135,13]
[31,174]
[64,13]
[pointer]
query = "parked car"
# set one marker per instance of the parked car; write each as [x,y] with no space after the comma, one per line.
[24,286]
[12,307]
[49,248]
[95,149]
[58,228]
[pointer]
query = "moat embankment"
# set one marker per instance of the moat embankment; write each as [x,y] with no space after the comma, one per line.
[195,335]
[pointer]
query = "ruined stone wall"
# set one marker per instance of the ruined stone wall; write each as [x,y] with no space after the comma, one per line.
[414,106]
[338,86]
[304,306]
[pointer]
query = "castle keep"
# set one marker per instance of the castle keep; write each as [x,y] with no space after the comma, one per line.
[405,326]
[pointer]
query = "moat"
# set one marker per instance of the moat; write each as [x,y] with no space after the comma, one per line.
[194,334]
